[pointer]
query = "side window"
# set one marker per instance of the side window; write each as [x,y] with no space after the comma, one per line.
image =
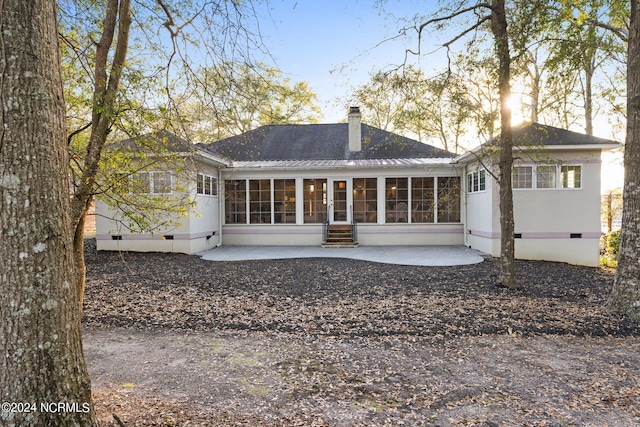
[482,180]
[199,183]
[207,185]
[150,183]
[522,177]
[571,176]
[315,201]
[546,177]
[477,181]
[161,183]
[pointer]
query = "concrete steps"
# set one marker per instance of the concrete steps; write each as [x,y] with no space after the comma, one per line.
[339,236]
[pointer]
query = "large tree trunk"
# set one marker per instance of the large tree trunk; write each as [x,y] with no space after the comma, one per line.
[625,296]
[43,375]
[507,249]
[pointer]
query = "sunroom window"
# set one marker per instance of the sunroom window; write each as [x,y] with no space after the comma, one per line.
[449,199]
[365,200]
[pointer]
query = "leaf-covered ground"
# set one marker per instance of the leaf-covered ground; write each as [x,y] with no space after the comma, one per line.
[344,342]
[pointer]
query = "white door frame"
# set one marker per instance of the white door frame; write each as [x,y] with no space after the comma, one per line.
[348,207]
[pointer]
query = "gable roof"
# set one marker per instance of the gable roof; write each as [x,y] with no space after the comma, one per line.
[320,142]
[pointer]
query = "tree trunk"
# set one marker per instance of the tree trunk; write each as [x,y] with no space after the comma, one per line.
[118,14]
[43,375]
[507,249]
[625,296]
[588,97]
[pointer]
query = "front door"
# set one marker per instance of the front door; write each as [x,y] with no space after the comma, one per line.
[340,206]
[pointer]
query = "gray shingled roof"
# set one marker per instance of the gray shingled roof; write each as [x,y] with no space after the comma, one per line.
[151,141]
[537,134]
[320,142]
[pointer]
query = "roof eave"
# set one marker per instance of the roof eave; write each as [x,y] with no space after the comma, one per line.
[342,164]
[211,159]
[575,147]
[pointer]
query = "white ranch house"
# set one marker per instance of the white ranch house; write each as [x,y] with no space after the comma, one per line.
[350,183]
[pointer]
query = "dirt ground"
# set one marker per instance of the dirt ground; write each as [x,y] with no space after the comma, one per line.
[205,378]
[173,340]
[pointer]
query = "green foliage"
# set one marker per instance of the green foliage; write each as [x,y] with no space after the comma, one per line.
[228,99]
[461,100]
[608,261]
[156,75]
[613,242]
[130,191]
[609,247]
[573,60]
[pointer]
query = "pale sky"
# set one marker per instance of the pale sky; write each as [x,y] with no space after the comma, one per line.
[333,45]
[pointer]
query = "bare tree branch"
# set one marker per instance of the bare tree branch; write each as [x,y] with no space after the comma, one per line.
[447,45]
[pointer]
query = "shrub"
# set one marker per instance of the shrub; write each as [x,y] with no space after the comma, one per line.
[613,242]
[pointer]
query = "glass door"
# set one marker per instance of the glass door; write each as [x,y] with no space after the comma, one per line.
[340,202]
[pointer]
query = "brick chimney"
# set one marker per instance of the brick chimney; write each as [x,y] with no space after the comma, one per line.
[355,129]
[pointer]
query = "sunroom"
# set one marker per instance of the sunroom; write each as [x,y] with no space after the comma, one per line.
[380,204]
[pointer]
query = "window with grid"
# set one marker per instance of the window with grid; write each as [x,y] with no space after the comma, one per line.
[207,185]
[571,176]
[422,199]
[150,183]
[260,201]
[284,199]
[449,199]
[315,200]
[397,199]
[522,177]
[476,181]
[546,176]
[365,199]
[235,201]
[200,184]
[140,183]
[160,182]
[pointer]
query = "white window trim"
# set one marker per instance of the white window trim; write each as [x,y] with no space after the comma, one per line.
[151,178]
[476,175]
[152,182]
[534,177]
[213,188]
[535,180]
[559,176]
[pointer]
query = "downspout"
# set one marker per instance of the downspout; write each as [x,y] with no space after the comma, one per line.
[221,196]
[465,229]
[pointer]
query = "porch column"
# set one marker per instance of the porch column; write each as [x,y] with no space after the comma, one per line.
[382,200]
[299,201]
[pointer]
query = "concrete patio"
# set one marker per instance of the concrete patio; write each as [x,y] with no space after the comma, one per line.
[402,255]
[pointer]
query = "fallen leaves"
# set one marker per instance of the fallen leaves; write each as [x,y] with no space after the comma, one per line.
[331,341]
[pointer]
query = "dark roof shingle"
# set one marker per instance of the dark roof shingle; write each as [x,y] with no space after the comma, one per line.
[161,139]
[320,142]
[538,134]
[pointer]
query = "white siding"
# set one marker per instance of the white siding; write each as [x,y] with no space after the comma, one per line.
[198,231]
[559,224]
